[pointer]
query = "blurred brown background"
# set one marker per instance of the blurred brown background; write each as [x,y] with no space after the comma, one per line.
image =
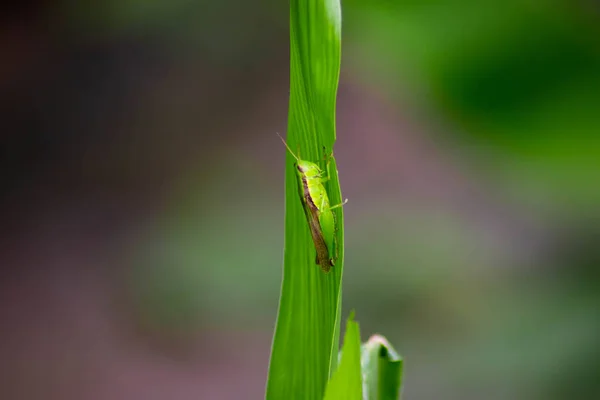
[142,195]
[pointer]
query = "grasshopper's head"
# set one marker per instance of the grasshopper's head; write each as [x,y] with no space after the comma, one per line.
[304,169]
[308,169]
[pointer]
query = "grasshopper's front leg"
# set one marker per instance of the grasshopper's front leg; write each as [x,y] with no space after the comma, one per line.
[327,166]
[325,179]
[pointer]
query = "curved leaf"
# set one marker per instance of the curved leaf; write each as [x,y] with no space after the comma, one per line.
[382,369]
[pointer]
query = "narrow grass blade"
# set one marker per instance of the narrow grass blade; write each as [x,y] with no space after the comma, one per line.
[346,382]
[305,343]
[382,370]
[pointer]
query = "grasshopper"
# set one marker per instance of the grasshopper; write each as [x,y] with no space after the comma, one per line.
[318,211]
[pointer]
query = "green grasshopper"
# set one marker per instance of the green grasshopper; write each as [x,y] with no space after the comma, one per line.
[319,214]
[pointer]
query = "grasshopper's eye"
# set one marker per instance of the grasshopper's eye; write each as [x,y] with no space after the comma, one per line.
[300,168]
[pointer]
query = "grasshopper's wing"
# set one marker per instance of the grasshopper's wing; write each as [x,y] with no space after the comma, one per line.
[323,258]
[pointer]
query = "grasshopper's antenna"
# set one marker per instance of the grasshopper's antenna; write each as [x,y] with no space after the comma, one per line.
[288,147]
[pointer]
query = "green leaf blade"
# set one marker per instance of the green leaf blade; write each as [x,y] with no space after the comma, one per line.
[346,382]
[304,350]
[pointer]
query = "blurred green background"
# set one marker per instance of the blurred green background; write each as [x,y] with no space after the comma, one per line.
[142,195]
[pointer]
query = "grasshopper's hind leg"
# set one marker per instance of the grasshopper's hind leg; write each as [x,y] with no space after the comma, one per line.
[339,205]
